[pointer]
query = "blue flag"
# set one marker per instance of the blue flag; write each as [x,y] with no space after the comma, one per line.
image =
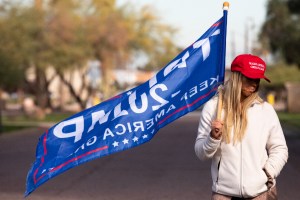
[134,117]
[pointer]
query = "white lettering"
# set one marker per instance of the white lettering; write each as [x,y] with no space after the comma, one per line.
[78,122]
[152,81]
[107,132]
[149,123]
[100,117]
[172,107]
[184,97]
[214,80]
[132,103]
[205,44]
[158,98]
[81,147]
[159,115]
[203,85]
[193,91]
[175,64]
[91,141]
[123,129]
[138,125]
[129,127]
[118,112]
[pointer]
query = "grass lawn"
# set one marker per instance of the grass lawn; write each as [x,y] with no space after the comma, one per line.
[10,128]
[21,121]
[291,119]
[57,117]
[53,117]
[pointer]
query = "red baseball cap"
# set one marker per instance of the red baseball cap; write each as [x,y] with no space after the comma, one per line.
[250,66]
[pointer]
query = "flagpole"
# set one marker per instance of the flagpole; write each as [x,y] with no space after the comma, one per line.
[223,57]
[225,10]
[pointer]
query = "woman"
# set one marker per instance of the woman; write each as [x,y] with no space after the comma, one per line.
[247,146]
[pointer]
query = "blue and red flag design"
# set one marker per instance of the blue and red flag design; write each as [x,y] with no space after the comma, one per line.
[134,117]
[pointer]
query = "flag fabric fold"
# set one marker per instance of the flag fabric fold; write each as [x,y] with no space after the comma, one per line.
[134,117]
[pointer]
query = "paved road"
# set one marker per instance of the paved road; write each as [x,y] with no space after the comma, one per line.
[164,168]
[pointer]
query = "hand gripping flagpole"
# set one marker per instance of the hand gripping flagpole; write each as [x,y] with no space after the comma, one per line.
[220,90]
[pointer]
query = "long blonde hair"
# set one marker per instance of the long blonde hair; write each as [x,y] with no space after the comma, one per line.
[235,115]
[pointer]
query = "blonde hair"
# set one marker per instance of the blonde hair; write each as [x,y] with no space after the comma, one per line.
[235,115]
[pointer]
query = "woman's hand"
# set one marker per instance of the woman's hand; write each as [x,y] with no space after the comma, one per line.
[216,129]
[270,181]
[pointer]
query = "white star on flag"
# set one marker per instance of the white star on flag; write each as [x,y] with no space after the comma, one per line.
[135,139]
[145,136]
[125,141]
[115,144]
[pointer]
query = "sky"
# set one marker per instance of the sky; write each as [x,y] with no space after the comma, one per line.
[193,17]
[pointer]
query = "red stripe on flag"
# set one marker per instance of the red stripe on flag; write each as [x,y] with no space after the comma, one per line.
[78,157]
[187,106]
[42,159]
[67,162]
[35,179]
[216,24]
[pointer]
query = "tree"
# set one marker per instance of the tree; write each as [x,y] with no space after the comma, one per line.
[11,74]
[281,30]
[11,71]
[65,35]
[21,30]
[119,34]
[153,38]
[67,50]
[43,38]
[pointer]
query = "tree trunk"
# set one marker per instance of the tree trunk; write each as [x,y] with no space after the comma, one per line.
[72,91]
[42,93]
[107,76]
